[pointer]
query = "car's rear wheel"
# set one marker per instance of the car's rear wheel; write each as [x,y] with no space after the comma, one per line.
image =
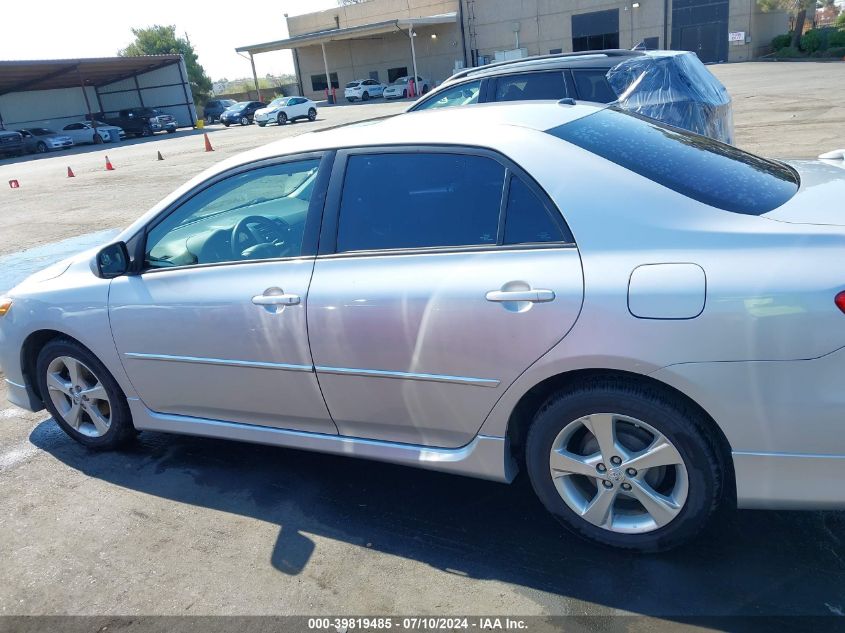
[98,140]
[365,96]
[82,396]
[624,465]
[261,124]
[312,114]
[146,131]
[226,123]
[282,118]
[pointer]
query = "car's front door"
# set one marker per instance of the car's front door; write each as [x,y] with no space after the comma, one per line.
[442,275]
[214,327]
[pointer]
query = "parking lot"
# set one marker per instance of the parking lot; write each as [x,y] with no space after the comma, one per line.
[182,525]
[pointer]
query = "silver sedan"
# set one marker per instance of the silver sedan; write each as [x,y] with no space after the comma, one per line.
[648,322]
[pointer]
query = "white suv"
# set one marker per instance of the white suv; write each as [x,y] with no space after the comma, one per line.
[363,89]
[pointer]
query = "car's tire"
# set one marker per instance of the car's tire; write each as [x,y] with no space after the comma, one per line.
[171,130]
[350,100]
[425,89]
[312,114]
[643,418]
[282,118]
[41,148]
[244,120]
[261,124]
[404,94]
[365,96]
[226,123]
[146,131]
[96,416]
[98,140]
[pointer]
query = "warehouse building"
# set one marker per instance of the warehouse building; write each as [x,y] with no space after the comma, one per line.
[53,93]
[372,39]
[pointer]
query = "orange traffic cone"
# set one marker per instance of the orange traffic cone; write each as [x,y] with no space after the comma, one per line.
[109,166]
[208,147]
[160,157]
[70,173]
[14,184]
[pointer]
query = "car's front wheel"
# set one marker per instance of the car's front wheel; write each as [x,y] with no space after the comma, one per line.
[282,118]
[312,114]
[624,465]
[365,96]
[83,396]
[244,120]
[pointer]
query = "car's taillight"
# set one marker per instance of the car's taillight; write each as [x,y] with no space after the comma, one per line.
[839,300]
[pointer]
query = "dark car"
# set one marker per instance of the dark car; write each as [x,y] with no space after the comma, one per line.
[673,87]
[139,121]
[242,112]
[11,143]
[215,107]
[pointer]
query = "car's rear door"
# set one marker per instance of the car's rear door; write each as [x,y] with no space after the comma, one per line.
[443,274]
[215,325]
[529,86]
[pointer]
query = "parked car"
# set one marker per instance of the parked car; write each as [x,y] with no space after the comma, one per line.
[671,86]
[140,121]
[399,88]
[11,143]
[363,89]
[649,322]
[84,132]
[243,113]
[284,109]
[41,139]
[215,107]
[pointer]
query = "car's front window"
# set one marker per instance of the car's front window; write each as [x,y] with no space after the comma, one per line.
[460,95]
[277,103]
[258,214]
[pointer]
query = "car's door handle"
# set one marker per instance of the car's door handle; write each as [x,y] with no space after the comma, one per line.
[534,296]
[276,300]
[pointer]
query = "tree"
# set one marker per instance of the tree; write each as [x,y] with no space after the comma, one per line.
[797,10]
[162,40]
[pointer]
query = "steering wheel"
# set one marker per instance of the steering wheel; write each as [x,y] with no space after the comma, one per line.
[254,237]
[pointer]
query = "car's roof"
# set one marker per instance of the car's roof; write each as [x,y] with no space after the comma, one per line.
[593,59]
[459,126]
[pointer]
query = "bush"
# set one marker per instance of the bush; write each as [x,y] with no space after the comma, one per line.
[789,51]
[812,41]
[840,20]
[836,39]
[838,52]
[782,41]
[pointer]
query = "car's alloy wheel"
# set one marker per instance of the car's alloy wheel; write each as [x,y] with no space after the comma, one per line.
[98,140]
[79,396]
[41,147]
[282,118]
[625,464]
[619,473]
[312,114]
[244,120]
[82,396]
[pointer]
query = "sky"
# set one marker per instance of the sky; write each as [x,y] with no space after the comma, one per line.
[63,29]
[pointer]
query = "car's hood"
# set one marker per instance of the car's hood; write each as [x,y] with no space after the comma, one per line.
[268,110]
[821,196]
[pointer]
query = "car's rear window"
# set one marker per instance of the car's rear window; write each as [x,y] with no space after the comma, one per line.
[696,166]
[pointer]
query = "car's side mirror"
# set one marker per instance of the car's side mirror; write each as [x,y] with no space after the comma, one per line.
[113,261]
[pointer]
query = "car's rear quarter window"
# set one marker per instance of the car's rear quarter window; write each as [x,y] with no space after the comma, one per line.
[696,166]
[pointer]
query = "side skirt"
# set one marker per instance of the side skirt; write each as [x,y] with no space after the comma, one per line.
[484,457]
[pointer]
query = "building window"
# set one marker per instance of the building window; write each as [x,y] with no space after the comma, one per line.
[595,30]
[556,51]
[651,43]
[394,73]
[318,82]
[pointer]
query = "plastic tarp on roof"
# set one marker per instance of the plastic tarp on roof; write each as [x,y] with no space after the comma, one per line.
[676,89]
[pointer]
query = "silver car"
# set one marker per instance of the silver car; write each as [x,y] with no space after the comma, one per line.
[649,322]
[38,140]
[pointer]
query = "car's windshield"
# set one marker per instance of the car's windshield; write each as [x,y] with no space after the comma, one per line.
[353,84]
[696,166]
[280,101]
[238,106]
[41,131]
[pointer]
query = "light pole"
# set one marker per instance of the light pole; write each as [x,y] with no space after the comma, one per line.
[411,34]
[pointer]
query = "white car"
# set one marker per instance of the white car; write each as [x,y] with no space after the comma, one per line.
[363,89]
[399,89]
[284,109]
[84,132]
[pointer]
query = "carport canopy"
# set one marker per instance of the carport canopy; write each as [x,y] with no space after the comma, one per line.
[347,33]
[19,76]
